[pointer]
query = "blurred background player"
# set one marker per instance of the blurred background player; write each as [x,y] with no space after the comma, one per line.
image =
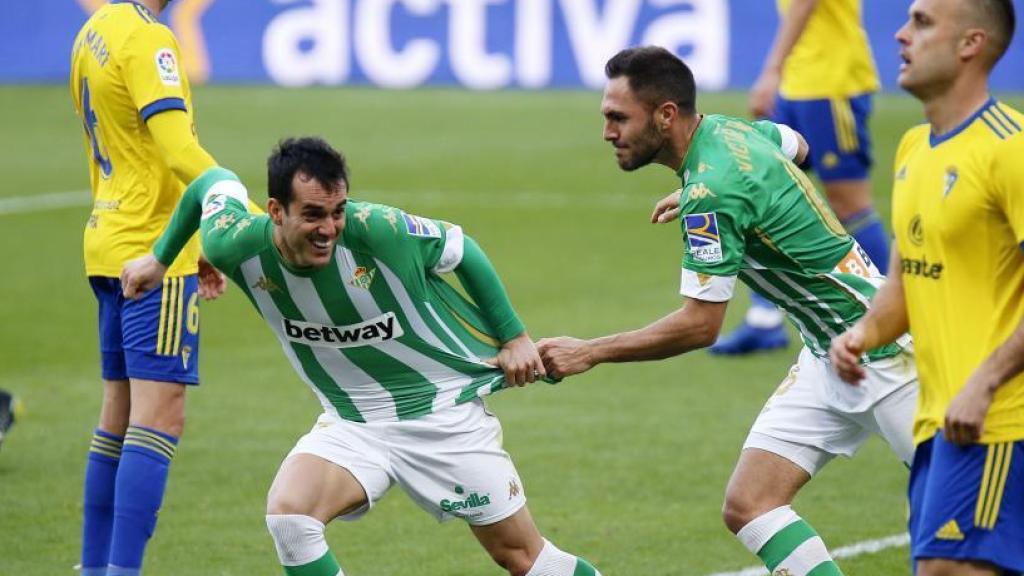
[958,219]
[9,409]
[818,78]
[134,103]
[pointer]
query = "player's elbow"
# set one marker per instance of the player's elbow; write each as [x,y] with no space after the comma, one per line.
[707,332]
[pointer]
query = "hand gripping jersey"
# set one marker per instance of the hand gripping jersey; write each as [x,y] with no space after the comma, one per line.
[958,218]
[376,334]
[748,212]
[125,69]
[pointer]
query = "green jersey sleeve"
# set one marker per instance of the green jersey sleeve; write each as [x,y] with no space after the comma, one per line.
[434,247]
[779,134]
[716,217]
[216,204]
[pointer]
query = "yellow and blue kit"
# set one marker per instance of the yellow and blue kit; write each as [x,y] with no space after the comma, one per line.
[958,218]
[135,105]
[826,87]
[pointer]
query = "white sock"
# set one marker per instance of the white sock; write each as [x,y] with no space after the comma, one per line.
[299,539]
[553,562]
[764,317]
[798,548]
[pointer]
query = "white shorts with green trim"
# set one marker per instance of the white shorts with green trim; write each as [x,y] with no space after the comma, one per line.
[804,423]
[449,462]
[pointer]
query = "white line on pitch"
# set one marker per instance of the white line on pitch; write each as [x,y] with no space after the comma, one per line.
[857,549]
[540,199]
[43,202]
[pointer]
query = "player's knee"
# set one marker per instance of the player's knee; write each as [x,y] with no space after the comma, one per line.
[738,511]
[286,502]
[515,560]
[299,539]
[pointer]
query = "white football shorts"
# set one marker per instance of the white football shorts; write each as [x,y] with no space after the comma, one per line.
[450,462]
[814,416]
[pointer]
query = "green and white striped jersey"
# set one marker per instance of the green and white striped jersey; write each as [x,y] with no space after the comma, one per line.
[376,334]
[749,212]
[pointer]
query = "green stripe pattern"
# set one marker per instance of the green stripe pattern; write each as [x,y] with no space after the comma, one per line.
[435,363]
[782,545]
[327,565]
[583,568]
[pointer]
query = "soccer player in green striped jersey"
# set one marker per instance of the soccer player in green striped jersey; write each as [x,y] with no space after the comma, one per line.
[395,355]
[748,213]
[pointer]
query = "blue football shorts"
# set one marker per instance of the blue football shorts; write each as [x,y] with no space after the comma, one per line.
[967,503]
[153,338]
[836,129]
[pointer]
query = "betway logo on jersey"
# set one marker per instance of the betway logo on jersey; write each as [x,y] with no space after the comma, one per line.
[374,331]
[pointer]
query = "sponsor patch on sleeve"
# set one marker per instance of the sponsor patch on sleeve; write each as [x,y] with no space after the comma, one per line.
[702,237]
[167,67]
[214,205]
[418,226]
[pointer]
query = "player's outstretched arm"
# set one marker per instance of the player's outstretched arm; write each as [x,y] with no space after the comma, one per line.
[885,321]
[695,325]
[762,95]
[518,356]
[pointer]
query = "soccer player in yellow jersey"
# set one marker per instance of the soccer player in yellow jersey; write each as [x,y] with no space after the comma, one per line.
[134,104]
[958,218]
[818,78]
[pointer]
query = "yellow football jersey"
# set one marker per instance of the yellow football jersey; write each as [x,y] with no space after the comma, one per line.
[832,58]
[958,218]
[124,69]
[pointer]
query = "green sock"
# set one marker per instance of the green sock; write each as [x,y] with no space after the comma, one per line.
[797,550]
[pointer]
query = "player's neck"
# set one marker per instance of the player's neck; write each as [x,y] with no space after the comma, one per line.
[679,144]
[154,6]
[952,107]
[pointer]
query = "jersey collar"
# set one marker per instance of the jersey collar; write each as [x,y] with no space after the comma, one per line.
[136,3]
[936,140]
[691,152]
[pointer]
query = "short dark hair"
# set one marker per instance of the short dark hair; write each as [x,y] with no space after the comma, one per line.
[656,76]
[1000,20]
[310,155]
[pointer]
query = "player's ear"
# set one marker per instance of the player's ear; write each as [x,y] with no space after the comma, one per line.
[666,114]
[276,210]
[973,43]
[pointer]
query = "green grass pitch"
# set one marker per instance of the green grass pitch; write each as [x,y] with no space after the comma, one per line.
[625,465]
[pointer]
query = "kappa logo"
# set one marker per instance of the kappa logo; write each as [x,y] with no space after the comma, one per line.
[167,67]
[700,191]
[377,330]
[224,222]
[265,284]
[513,488]
[702,237]
[363,214]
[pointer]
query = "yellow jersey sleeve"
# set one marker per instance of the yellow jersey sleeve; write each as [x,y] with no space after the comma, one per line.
[1008,183]
[152,72]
